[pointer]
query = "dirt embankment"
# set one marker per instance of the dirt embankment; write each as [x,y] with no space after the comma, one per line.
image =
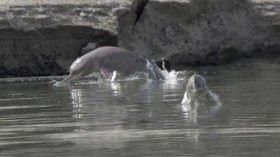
[201,32]
[48,51]
[43,37]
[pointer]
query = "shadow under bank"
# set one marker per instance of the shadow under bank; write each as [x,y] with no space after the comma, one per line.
[46,51]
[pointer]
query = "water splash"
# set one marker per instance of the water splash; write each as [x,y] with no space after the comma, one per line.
[154,71]
[57,83]
[218,103]
[31,79]
[196,109]
[171,76]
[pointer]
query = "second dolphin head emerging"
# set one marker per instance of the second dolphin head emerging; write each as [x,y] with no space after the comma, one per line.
[196,90]
[198,100]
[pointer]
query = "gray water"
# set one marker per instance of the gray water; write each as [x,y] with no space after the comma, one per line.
[136,117]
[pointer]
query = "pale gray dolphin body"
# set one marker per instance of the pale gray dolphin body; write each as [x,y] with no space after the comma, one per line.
[196,90]
[198,96]
[109,60]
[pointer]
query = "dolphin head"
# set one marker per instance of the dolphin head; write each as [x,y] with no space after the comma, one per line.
[196,87]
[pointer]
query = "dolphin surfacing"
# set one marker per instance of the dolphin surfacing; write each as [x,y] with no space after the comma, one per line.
[196,90]
[198,99]
[109,60]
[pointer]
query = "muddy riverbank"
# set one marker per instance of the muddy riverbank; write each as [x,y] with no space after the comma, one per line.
[42,38]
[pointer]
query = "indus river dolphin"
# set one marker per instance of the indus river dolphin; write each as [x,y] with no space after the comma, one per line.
[109,60]
[198,97]
[196,90]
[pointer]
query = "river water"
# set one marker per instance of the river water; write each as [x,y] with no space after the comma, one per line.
[138,117]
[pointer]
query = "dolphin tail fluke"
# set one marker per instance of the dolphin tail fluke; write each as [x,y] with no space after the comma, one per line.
[154,72]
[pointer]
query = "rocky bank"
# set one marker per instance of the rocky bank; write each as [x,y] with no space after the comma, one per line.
[40,38]
[201,32]
[43,37]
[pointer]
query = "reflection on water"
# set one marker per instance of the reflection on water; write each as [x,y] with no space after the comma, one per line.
[138,117]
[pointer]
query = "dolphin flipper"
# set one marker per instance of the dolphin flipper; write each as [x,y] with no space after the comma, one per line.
[154,72]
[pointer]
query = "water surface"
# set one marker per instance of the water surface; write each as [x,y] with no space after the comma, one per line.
[136,117]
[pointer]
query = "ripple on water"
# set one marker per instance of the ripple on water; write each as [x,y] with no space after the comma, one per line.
[135,116]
